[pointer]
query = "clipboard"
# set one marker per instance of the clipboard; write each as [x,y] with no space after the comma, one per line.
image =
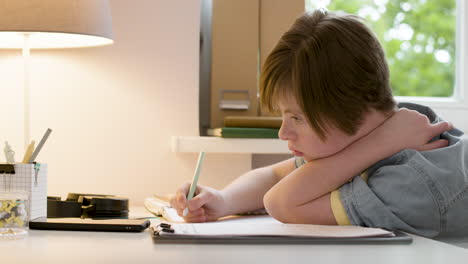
[168,234]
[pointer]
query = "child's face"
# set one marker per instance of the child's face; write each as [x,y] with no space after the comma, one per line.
[302,139]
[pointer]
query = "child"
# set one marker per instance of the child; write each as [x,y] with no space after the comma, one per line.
[359,159]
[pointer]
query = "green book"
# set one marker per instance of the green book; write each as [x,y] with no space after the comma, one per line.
[253,121]
[244,132]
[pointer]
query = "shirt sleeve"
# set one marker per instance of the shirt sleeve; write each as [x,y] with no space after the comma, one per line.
[398,196]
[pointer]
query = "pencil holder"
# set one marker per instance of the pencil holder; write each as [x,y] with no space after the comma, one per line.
[28,178]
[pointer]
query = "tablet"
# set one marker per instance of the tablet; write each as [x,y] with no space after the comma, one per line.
[88,224]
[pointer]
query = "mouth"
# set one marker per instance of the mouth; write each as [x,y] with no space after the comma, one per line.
[296,153]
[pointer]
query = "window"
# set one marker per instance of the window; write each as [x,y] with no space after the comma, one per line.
[424,45]
[418,37]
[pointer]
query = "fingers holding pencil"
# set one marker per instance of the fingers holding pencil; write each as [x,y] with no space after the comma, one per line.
[208,204]
[197,203]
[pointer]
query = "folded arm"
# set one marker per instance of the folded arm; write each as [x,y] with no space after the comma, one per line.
[303,195]
[246,192]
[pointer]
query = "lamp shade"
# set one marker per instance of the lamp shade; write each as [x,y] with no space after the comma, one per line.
[55,23]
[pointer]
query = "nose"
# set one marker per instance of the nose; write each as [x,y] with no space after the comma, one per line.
[285,132]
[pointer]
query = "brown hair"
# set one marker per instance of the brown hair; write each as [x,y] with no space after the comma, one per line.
[334,67]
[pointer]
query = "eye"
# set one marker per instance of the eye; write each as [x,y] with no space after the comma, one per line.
[296,118]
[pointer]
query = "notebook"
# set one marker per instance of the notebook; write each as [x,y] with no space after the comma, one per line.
[271,232]
[161,207]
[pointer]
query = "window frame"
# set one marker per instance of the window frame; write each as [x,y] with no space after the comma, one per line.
[454,108]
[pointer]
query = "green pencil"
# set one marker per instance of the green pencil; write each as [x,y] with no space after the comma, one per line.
[193,186]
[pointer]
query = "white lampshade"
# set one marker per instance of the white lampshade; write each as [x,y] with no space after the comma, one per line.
[55,23]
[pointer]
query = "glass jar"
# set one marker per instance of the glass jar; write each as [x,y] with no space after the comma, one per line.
[13,215]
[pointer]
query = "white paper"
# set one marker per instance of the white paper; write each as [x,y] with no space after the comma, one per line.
[276,229]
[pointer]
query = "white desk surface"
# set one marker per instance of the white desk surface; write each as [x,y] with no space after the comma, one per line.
[52,247]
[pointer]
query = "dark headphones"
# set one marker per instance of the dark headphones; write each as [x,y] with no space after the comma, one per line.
[87,205]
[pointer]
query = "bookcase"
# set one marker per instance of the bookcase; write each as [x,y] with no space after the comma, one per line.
[236,37]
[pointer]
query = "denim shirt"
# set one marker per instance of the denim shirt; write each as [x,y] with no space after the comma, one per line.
[425,193]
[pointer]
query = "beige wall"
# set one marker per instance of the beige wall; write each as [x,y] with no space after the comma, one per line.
[113,109]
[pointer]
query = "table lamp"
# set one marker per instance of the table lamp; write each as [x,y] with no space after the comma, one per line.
[46,24]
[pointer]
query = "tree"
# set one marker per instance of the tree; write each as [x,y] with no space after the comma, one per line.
[418,37]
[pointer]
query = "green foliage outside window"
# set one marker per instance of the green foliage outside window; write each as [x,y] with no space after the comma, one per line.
[418,37]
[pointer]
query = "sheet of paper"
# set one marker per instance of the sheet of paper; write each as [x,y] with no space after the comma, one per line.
[231,228]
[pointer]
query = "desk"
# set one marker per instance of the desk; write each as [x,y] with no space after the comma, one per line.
[138,248]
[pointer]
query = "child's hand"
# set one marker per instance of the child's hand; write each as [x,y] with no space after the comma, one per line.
[207,205]
[411,129]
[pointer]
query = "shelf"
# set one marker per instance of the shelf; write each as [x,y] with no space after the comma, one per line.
[229,145]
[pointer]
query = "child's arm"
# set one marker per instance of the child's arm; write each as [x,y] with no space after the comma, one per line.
[242,195]
[246,192]
[303,196]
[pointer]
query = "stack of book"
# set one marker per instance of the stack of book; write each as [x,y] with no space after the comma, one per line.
[248,127]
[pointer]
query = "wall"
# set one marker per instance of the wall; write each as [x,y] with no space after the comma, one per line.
[113,109]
